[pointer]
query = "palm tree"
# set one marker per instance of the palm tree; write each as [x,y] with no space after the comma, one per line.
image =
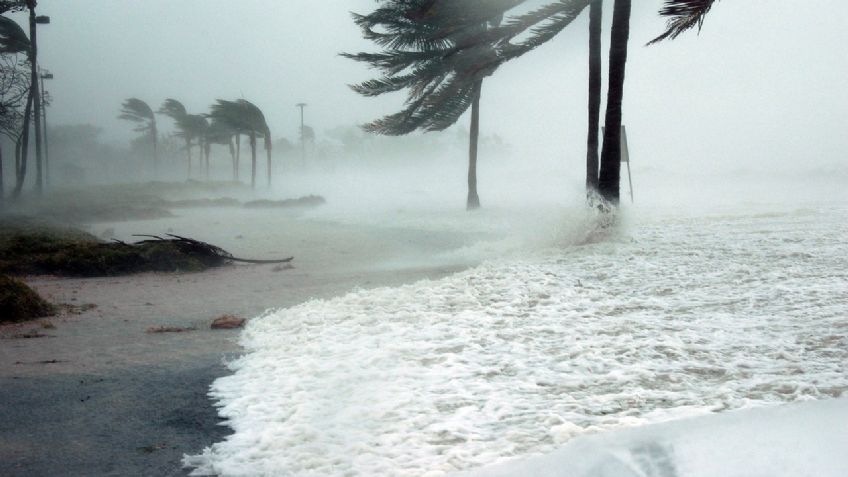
[221,133]
[432,49]
[244,117]
[189,127]
[139,112]
[609,178]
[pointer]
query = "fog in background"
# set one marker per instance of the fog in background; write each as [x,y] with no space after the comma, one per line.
[760,89]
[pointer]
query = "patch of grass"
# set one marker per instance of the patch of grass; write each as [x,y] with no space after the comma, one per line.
[18,302]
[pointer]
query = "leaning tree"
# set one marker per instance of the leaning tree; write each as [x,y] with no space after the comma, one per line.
[246,118]
[14,44]
[426,47]
[140,113]
[190,127]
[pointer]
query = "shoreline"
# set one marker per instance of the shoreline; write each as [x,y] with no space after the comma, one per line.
[101,396]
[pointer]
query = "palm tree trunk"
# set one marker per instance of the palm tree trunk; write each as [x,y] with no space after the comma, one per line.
[233,157]
[473,201]
[188,149]
[608,183]
[23,144]
[252,160]
[207,148]
[595,17]
[155,135]
[268,154]
[238,155]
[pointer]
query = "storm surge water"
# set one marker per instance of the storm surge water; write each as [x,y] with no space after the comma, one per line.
[670,314]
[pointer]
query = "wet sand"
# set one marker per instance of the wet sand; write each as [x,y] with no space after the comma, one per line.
[98,395]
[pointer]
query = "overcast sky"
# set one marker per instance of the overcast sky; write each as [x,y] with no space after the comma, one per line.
[763,84]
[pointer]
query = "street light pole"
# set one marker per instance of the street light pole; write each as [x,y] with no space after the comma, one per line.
[302,135]
[45,75]
[36,96]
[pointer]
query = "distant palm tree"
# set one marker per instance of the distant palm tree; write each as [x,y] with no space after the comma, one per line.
[189,127]
[139,112]
[219,132]
[245,118]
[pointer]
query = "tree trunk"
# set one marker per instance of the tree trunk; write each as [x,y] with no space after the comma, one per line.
[238,155]
[252,160]
[473,201]
[23,144]
[268,153]
[155,133]
[39,177]
[188,149]
[233,157]
[595,17]
[207,148]
[608,183]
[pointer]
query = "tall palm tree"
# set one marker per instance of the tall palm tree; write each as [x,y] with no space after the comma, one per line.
[609,178]
[432,49]
[246,118]
[139,112]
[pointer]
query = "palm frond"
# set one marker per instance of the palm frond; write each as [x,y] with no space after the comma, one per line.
[684,15]
[173,109]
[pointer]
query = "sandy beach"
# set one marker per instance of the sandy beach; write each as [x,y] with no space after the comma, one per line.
[98,395]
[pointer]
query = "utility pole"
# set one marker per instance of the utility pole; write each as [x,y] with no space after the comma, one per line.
[302,135]
[44,102]
[36,96]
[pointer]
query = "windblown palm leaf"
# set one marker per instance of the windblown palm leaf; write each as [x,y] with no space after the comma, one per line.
[7,6]
[12,37]
[438,50]
[683,16]
[137,111]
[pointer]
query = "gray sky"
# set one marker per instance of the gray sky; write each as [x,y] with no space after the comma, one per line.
[762,84]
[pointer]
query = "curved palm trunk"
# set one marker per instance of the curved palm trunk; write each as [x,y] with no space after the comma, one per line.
[23,148]
[595,17]
[473,201]
[608,183]
[2,190]
[253,160]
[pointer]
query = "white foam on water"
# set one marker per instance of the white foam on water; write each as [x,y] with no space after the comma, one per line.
[673,315]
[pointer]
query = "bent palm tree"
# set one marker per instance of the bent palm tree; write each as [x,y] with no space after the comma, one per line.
[244,117]
[189,126]
[220,133]
[139,112]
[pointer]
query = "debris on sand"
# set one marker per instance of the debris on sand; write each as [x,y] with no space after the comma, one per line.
[227,322]
[19,302]
[170,329]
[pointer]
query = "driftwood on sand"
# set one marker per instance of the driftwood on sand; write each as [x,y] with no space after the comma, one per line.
[194,247]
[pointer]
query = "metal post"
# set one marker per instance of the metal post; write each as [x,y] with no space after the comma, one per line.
[625,157]
[45,75]
[302,135]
